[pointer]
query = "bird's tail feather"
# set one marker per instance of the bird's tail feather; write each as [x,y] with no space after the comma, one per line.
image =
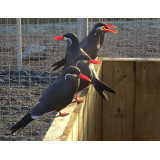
[22,123]
[101,87]
[58,64]
[103,94]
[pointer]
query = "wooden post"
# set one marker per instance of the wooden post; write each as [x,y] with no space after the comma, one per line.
[147,111]
[19,44]
[84,121]
[133,113]
[94,107]
[118,111]
[82,28]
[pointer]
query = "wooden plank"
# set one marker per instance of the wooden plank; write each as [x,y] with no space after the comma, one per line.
[69,136]
[75,129]
[79,110]
[132,59]
[84,120]
[98,118]
[94,103]
[80,121]
[91,103]
[85,117]
[70,132]
[118,111]
[147,112]
[94,116]
[58,125]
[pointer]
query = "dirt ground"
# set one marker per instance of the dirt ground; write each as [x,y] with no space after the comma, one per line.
[20,90]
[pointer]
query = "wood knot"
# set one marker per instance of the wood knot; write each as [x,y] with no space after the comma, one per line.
[118,110]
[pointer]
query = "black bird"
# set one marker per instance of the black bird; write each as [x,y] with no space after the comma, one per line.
[75,54]
[83,63]
[57,96]
[73,49]
[90,44]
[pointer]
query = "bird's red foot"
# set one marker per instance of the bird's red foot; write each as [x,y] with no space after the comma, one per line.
[63,114]
[78,100]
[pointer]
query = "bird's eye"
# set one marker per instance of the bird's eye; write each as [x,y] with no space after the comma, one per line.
[85,61]
[75,75]
[69,74]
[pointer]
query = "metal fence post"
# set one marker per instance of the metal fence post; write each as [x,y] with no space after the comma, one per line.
[19,44]
[82,28]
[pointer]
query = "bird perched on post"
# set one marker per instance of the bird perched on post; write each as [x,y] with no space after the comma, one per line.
[92,43]
[73,47]
[77,57]
[83,63]
[57,96]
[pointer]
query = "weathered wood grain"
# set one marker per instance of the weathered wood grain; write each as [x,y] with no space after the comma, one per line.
[84,120]
[94,104]
[118,111]
[147,112]
[132,114]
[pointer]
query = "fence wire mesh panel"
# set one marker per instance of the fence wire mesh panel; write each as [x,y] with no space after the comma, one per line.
[21,89]
[137,37]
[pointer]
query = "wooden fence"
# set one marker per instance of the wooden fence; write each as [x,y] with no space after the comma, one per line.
[132,114]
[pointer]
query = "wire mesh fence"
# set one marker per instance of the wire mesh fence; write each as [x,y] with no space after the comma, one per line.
[20,90]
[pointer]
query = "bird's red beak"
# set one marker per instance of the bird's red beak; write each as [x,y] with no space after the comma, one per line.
[84,77]
[107,29]
[94,61]
[59,38]
[108,25]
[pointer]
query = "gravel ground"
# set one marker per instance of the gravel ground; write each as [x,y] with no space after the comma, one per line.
[19,91]
[23,90]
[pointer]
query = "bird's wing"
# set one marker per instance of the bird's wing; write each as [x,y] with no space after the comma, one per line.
[58,95]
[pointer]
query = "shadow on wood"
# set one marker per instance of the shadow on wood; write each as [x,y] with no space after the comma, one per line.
[131,114]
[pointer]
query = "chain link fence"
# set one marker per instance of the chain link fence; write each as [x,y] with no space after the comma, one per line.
[21,89]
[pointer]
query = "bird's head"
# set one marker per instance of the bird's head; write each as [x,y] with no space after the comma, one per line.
[84,59]
[101,27]
[69,37]
[74,73]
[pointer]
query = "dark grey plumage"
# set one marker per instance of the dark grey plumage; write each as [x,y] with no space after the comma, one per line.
[58,64]
[100,86]
[91,44]
[22,123]
[57,96]
[72,46]
[78,61]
